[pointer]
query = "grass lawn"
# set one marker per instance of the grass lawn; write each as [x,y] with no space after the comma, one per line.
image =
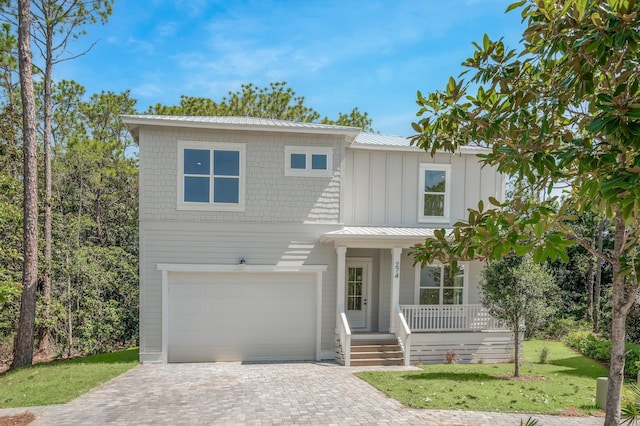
[569,384]
[58,382]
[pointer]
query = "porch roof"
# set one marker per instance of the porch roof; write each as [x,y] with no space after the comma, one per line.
[378,236]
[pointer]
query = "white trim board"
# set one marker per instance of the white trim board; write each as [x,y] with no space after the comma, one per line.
[205,267]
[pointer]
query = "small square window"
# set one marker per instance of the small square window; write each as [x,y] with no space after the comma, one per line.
[311,161]
[299,161]
[319,162]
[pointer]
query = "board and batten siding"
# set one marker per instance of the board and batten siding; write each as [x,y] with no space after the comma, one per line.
[381,187]
[270,196]
[193,242]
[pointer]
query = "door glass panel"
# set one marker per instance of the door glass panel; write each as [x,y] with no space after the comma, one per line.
[354,289]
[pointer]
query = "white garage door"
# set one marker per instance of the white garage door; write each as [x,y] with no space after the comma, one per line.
[241,317]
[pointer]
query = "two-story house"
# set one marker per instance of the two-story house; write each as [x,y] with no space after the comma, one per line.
[272,240]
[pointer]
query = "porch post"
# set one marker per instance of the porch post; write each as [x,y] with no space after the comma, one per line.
[395,286]
[340,290]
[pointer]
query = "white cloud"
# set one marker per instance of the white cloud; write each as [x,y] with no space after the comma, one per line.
[166,29]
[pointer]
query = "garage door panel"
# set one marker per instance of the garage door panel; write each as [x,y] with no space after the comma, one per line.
[250,317]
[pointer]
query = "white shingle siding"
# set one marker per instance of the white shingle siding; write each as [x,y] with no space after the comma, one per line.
[270,196]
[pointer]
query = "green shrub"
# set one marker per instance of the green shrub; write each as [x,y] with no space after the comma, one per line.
[543,355]
[594,347]
[560,327]
[577,339]
[631,359]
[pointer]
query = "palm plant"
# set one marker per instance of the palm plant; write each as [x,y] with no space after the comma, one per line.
[630,408]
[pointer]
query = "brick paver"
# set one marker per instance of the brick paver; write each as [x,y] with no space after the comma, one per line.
[256,394]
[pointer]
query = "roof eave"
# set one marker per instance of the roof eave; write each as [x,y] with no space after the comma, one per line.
[133,123]
[462,149]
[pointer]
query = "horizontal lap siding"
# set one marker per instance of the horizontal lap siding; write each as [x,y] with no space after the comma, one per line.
[219,243]
[476,347]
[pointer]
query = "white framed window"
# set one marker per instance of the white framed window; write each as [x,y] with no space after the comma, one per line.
[308,161]
[437,285]
[434,193]
[211,176]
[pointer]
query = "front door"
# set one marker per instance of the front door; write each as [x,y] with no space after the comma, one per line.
[358,282]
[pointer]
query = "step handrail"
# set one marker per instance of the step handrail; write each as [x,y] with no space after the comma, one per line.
[344,333]
[404,335]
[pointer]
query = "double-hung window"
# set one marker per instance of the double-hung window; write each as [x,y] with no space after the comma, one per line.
[307,161]
[434,193]
[439,285]
[210,176]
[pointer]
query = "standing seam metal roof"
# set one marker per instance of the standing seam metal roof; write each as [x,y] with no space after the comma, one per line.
[362,139]
[248,121]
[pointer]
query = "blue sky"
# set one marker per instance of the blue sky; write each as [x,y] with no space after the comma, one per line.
[371,54]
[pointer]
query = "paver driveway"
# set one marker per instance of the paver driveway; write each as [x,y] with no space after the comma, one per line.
[232,393]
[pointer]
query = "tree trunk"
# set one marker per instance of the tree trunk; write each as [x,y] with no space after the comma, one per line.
[621,302]
[23,343]
[596,288]
[516,344]
[43,332]
[590,278]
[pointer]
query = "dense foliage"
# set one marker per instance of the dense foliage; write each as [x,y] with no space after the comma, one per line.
[276,101]
[598,348]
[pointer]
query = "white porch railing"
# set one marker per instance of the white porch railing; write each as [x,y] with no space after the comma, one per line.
[424,318]
[404,334]
[344,334]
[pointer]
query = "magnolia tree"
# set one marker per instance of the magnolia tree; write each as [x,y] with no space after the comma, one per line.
[563,109]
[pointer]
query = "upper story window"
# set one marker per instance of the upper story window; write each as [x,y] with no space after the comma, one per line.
[308,161]
[439,285]
[210,176]
[434,192]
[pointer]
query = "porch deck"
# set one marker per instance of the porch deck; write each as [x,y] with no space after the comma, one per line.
[439,334]
[450,318]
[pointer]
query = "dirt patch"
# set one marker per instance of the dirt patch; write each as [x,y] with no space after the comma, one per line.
[571,412]
[18,420]
[520,378]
